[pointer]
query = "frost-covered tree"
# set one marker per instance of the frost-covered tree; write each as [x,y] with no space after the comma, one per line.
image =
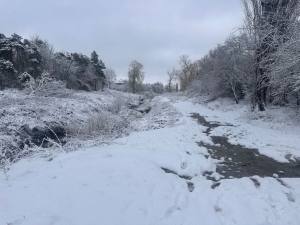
[271,24]
[110,75]
[21,56]
[36,56]
[158,88]
[81,62]
[225,71]
[63,66]
[136,75]
[188,71]
[46,51]
[98,67]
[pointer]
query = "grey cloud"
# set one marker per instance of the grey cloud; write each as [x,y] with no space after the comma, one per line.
[154,32]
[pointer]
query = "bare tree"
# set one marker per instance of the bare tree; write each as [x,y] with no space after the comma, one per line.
[173,75]
[285,73]
[136,75]
[188,71]
[110,75]
[46,51]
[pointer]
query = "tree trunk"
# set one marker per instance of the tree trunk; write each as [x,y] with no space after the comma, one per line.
[260,103]
[297,99]
[234,93]
[133,86]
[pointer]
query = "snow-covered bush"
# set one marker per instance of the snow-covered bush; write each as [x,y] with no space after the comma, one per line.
[4,158]
[105,123]
[117,104]
[149,94]
[44,83]
[161,115]
[9,153]
[158,88]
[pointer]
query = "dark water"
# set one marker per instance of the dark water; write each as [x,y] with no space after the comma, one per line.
[240,161]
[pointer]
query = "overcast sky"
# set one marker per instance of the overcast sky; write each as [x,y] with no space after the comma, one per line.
[154,32]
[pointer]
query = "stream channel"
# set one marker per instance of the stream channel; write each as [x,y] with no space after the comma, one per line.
[240,161]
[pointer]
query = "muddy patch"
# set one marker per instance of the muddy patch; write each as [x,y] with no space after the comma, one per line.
[237,161]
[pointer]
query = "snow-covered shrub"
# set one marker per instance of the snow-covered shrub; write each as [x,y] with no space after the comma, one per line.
[105,124]
[31,85]
[9,153]
[149,94]
[117,104]
[134,101]
[4,158]
[162,114]
[158,88]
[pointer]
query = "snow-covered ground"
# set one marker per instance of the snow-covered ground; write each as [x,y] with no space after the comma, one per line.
[126,182]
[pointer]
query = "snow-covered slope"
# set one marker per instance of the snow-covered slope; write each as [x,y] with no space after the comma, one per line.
[75,119]
[150,177]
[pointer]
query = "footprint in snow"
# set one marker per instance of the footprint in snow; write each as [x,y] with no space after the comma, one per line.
[218,209]
[282,183]
[183,165]
[216,184]
[191,186]
[256,182]
[180,202]
[290,197]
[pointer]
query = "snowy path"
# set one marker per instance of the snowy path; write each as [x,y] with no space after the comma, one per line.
[124,183]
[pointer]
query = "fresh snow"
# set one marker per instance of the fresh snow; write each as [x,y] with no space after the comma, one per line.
[124,183]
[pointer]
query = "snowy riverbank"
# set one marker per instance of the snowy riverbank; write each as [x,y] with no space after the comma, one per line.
[126,182]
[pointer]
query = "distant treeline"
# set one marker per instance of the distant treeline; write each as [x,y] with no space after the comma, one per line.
[32,58]
[260,64]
